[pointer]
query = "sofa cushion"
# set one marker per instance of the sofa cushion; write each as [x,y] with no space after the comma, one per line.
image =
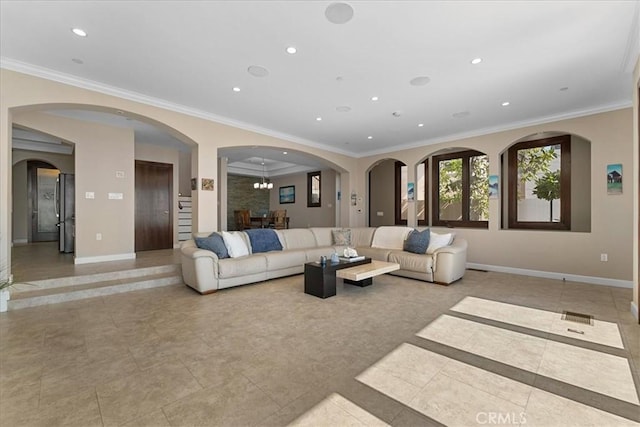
[417,241]
[362,236]
[374,253]
[285,259]
[408,261]
[341,237]
[235,244]
[242,266]
[390,237]
[298,238]
[263,240]
[437,241]
[214,243]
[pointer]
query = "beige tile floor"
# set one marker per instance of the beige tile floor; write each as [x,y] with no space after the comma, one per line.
[268,354]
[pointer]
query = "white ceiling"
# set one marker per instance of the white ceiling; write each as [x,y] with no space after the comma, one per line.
[189,55]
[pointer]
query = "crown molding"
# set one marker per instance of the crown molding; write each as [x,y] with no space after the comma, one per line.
[22,67]
[68,79]
[506,127]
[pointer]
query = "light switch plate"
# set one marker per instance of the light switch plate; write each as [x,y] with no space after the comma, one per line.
[89,195]
[119,174]
[115,196]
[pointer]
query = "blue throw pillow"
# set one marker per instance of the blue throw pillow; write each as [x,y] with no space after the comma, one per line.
[417,241]
[213,243]
[263,240]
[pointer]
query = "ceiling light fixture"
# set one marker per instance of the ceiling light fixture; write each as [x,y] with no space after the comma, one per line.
[374,98]
[505,103]
[79,32]
[258,71]
[263,185]
[420,125]
[319,119]
[236,89]
[339,13]
[284,152]
[291,50]
[419,81]
[369,137]
[476,61]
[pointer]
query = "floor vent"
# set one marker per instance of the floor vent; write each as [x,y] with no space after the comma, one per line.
[572,316]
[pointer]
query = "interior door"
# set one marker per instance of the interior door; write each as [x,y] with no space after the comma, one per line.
[154,212]
[42,189]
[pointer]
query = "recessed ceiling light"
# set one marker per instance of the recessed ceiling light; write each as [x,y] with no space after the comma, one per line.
[284,152]
[369,137]
[476,61]
[236,89]
[343,109]
[339,13]
[419,81]
[374,98]
[79,32]
[291,50]
[258,71]
[505,103]
[319,119]
[77,60]
[420,125]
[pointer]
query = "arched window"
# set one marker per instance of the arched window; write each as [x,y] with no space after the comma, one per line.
[460,189]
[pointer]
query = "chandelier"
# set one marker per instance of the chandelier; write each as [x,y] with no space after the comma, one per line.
[263,185]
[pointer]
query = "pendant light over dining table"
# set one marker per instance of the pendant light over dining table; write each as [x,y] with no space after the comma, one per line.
[263,185]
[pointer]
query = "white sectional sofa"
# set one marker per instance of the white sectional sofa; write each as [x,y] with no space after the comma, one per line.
[206,273]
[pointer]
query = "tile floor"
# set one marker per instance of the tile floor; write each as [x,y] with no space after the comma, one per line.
[400,352]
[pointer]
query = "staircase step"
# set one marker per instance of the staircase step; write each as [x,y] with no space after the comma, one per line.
[36,294]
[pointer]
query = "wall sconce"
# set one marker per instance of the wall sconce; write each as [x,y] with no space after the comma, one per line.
[354,198]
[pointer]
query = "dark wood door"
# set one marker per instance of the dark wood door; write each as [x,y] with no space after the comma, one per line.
[154,212]
[41,181]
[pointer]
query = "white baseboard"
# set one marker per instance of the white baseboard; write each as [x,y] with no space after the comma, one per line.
[634,311]
[103,258]
[553,275]
[176,246]
[20,241]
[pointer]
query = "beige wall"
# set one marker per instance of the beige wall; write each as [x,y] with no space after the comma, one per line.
[635,307]
[20,211]
[382,194]
[572,254]
[300,216]
[100,151]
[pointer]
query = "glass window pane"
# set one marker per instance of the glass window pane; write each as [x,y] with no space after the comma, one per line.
[315,189]
[539,184]
[420,205]
[479,188]
[450,189]
[404,201]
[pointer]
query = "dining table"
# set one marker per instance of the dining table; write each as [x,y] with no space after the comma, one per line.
[264,221]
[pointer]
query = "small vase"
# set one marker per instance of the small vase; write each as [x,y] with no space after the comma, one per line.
[4,297]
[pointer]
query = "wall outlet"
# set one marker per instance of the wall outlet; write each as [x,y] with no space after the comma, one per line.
[98,236]
[89,195]
[604,257]
[380,213]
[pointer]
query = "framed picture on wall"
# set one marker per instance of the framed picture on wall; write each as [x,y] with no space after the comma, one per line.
[287,194]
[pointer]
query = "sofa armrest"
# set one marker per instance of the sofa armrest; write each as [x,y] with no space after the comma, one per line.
[450,262]
[199,267]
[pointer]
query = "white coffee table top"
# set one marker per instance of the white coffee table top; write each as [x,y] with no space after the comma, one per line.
[364,271]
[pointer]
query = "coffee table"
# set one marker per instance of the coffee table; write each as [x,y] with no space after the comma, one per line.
[362,275]
[320,281]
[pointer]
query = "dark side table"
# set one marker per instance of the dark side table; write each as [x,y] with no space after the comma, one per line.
[320,281]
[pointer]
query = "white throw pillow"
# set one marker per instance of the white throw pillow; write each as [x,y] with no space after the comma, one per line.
[235,244]
[437,241]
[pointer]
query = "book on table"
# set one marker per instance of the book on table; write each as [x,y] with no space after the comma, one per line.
[351,258]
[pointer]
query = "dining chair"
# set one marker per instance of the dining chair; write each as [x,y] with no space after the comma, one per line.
[279,219]
[242,219]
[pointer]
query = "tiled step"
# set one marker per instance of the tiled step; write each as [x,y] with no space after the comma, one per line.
[65,289]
